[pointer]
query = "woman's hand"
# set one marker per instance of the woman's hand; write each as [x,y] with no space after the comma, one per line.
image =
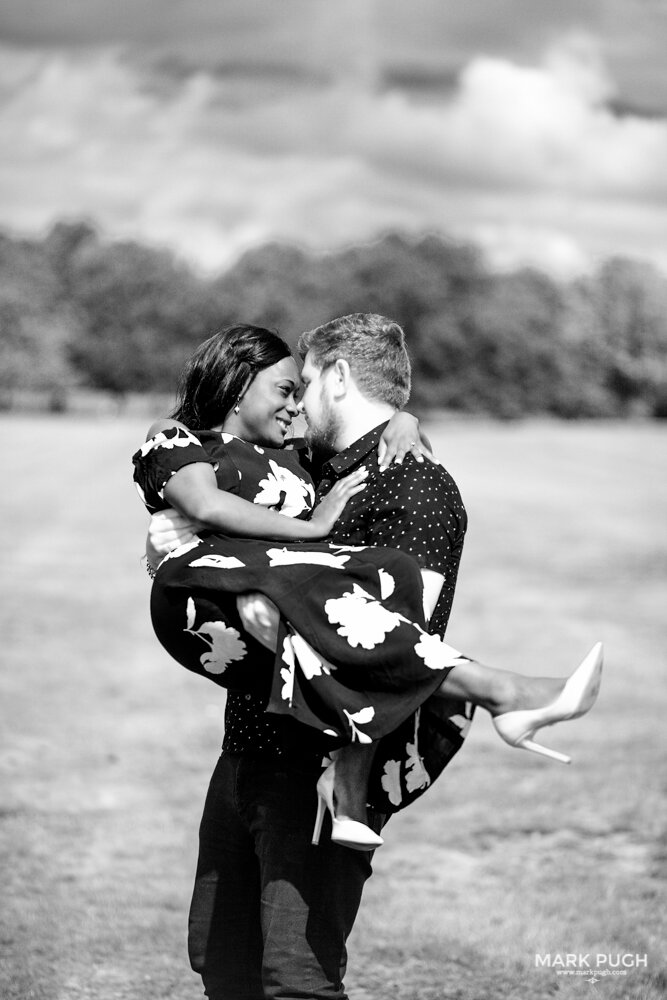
[401,436]
[331,507]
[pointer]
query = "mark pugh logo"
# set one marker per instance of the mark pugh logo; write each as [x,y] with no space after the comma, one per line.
[578,960]
[590,965]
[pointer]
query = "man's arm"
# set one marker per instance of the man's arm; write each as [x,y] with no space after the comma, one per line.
[432,586]
[417,508]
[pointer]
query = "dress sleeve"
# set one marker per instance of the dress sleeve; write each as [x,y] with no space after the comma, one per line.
[160,457]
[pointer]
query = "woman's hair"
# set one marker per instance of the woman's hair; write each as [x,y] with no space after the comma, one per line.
[221,369]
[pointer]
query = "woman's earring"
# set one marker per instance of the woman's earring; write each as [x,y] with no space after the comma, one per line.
[236,408]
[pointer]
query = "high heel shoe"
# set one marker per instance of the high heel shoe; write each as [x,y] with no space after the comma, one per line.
[346,832]
[577,697]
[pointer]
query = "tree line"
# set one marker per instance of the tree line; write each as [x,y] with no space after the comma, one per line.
[77,311]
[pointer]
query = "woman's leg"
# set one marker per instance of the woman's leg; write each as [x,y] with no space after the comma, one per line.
[498,691]
[353,768]
[520,706]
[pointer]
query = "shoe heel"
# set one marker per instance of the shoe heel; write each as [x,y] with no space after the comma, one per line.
[319,819]
[544,751]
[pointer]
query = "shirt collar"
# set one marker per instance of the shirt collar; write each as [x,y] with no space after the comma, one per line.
[344,462]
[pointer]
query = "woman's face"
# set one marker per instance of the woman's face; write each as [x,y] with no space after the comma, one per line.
[268,405]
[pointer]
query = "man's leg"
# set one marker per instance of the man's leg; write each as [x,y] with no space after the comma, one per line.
[225,941]
[309,895]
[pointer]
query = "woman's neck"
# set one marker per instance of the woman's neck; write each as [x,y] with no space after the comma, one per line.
[230,427]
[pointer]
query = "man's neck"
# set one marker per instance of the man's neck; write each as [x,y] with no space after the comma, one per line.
[365,416]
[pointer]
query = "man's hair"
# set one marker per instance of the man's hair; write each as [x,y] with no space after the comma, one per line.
[374,348]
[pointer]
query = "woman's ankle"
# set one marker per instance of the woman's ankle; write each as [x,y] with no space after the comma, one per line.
[498,691]
[528,693]
[353,764]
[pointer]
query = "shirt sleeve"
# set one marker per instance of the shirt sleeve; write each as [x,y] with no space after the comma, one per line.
[160,457]
[422,514]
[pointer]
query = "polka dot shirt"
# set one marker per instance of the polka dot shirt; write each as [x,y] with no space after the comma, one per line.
[415,507]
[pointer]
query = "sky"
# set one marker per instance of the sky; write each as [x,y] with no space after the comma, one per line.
[536,128]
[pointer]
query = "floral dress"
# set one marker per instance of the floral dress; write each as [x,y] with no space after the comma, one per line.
[354,659]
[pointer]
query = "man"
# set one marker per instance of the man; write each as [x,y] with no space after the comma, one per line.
[270,913]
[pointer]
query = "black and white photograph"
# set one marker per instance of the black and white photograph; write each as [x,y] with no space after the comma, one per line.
[333,401]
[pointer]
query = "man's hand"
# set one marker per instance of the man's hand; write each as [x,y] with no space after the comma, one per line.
[168,529]
[260,618]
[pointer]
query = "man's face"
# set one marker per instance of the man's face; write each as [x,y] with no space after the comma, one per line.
[318,407]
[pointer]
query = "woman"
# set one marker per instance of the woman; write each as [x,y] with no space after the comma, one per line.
[241,386]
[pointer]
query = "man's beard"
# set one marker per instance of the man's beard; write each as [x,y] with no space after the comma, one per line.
[322,438]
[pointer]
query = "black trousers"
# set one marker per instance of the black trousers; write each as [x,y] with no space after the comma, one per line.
[271,913]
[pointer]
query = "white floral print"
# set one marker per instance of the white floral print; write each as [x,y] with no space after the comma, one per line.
[416,775]
[391,781]
[387,584]
[287,673]
[435,653]
[363,620]
[360,718]
[283,490]
[225,646]
[288,557]
[463,721]
[312,665]
[181,439]
[182,549]
[215,561]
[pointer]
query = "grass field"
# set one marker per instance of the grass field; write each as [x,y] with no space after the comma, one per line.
[107,746]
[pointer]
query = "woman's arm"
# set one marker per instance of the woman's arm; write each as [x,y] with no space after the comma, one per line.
[402,435]
[193,491]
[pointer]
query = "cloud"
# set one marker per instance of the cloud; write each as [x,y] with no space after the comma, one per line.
[545,127]
[421,43]
[529,159]
[293,36]
[437,37]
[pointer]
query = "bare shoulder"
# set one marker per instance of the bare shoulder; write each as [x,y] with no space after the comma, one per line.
[163,424]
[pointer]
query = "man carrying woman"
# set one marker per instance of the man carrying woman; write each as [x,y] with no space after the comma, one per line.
[271,913]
